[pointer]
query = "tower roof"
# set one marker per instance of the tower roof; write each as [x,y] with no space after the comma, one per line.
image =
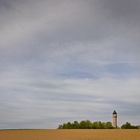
[114,112]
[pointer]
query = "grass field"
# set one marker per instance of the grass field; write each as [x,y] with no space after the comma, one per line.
[70,134]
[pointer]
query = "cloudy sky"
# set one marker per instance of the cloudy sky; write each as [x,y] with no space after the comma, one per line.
[66,60]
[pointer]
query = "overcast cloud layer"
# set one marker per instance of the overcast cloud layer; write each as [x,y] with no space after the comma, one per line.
[66,60]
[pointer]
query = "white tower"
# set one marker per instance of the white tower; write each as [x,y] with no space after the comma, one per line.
[114,119]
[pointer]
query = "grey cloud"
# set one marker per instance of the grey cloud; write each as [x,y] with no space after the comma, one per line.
[68,60]
[122,8]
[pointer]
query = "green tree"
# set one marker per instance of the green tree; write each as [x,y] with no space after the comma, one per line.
[82,124]
[108,125]
[128,125]
[60,127]
[95,125]
[75,125]
[69,125]
[88,124]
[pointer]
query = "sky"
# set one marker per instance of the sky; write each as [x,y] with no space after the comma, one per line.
[68,60]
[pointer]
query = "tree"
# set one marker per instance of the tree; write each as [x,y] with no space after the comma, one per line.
[128,125]
[108,125]
[75,125]
[82,124]
[69,125]
[60,127]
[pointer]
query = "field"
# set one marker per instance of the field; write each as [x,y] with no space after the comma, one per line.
[70,134]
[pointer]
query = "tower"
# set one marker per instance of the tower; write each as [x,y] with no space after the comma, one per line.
[114,119]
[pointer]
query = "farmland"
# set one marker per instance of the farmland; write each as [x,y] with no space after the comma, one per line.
[84,134]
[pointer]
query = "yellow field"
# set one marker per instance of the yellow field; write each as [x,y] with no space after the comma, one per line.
[70,134]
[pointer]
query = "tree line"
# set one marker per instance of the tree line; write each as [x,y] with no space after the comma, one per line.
[86,125]
[94,125]
[128,125]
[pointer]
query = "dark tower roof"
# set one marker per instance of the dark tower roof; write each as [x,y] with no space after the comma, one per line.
[114,112]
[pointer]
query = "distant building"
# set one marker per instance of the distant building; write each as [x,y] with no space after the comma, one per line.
[114,119]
